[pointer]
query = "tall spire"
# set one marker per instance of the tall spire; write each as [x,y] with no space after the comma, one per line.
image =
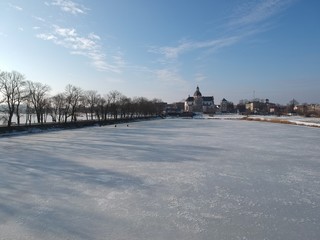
[197,93]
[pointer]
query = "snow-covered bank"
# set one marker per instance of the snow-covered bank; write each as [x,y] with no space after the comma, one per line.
[54,126]
[295,120]
[162,179]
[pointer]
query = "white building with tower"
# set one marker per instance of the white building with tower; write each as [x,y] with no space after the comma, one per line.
[199,103]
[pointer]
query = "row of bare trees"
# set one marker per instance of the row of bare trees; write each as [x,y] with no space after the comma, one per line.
[16,91]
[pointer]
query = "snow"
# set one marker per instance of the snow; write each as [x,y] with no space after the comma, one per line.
[298,120]
[162,179]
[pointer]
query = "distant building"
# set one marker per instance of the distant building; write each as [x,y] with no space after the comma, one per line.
[309,110]
[262,107]
[226,106]
[314,107]
[199,103]
[174,109]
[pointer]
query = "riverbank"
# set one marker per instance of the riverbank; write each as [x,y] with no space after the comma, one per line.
[300,122]
[293,120]
[34,128]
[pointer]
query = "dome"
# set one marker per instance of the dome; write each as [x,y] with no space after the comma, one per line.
[197,93]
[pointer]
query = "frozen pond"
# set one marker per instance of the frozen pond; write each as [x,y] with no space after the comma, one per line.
[163,179]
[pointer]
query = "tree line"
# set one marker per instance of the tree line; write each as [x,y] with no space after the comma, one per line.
[18,96]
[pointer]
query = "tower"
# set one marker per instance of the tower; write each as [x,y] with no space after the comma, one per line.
[198,102]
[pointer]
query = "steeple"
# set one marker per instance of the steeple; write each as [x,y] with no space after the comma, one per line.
[197,93]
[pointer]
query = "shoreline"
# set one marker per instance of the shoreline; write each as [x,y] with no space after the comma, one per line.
[271,119]
[15,130]
[291,120]
[6,131]
[282,121]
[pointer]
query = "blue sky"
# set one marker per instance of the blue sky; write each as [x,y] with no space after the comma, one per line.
[233,49]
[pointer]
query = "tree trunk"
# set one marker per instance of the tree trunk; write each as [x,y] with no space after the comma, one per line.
[9,120]
[18,115]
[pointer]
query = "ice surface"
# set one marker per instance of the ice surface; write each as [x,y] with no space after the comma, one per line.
[163,179]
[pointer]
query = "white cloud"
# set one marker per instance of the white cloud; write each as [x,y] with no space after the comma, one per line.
[46,36]
[40,19]
[248,19]
[174,52]
[255,13]
[169,76]
[87,46]
[98,60]
[18,8]
[94,36]
[64,32]
[70,6]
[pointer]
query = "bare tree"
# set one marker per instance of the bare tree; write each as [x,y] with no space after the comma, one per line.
[158,106]
[37,94]
[57,104]
[91,99]
[114,97]
[101,110]
[73,96]
[136,106]
[12,88]
[124,106]
[107,106]
[21,95]
[291,107]
[142,105]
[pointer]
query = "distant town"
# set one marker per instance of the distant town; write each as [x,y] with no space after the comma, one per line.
[206,104]
[26,102]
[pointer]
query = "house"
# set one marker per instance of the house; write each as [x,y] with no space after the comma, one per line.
[262,107]
[309,110]
[199,103]
[174,109]
[257,106]
[226,106]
